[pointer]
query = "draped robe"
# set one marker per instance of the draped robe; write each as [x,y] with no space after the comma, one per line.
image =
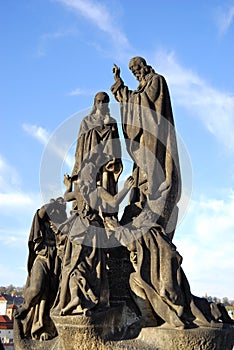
[97,136]
[149,132]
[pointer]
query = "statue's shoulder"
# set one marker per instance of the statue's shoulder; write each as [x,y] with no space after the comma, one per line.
[156,76]
[157,79]
[86,123]
[112,120]
[86,119]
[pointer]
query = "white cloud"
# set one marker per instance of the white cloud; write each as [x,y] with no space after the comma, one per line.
[213,107]
[16,206]
[14,236]
[11,195]
[224,19]
[38,132]
[15,199]
[205,240]
[57,158]
[48,37]
[58,34]
[100,16]
[51,142]
[8,176]
[78,91]
[17,209]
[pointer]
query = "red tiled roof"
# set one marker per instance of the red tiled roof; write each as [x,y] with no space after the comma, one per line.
[4,318]
[5,322]
[12,306]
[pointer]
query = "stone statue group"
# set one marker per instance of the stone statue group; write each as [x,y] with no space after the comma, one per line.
[68,256]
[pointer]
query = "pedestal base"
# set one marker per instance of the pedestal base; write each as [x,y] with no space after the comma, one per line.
[113,330]
[115,323]
[188,339]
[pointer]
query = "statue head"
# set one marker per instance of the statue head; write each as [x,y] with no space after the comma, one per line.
[57,210]
[139,67]
[89,172]
[101,101]
[137,60]
[91,169]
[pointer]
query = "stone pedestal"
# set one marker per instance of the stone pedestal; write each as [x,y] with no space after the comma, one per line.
[92,332]
[119,329]
[21,343]
[188,339]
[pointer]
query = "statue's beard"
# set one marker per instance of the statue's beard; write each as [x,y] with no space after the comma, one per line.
[140,76]
[101,111]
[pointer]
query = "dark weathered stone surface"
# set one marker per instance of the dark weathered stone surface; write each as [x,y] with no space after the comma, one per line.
[22,343]
[43,272]
[117,322]
[148,128]
[188,339]
[79,333]
[119,272]
[95,282]
[98,133]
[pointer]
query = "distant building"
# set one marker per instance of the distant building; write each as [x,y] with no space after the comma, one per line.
[6,330]
[11,309]
[13,299]
[6,322]
[3,305]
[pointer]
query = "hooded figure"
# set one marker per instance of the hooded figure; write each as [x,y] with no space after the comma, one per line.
[99,133]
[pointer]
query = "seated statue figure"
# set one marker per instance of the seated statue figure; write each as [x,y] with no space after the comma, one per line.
[84,284]
[43,272]
[159,285]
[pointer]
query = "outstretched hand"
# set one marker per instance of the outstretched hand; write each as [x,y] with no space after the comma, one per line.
[53,227]
[116,71]
[129,182]
[67,180]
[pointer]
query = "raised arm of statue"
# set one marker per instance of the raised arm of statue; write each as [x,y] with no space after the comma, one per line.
[116,72]
[69,195]
[115,200]
[121,92]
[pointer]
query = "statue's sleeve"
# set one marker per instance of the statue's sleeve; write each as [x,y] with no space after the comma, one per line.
[120,91]
[80,150]
[34,236]
[153,88]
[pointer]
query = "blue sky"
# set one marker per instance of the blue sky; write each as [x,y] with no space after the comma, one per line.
[56,54]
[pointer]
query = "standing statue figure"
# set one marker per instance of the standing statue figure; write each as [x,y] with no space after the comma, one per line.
[99,133]
[43,272]
[149,132]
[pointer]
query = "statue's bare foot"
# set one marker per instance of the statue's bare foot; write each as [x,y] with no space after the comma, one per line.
[73,303]
[79,310]
[169,326]
[44,336]
[210,324]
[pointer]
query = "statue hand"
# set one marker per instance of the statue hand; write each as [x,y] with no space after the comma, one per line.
[116,71]
[110,166]
[67,180]
[53,227]
[129,182]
